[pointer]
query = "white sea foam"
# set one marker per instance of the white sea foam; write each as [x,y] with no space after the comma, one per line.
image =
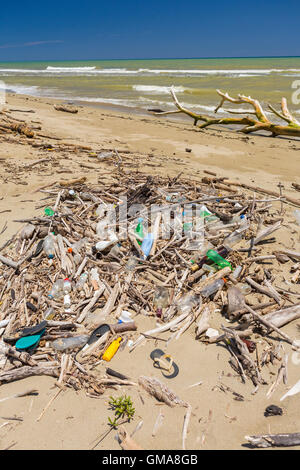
[50,70]
[158,90]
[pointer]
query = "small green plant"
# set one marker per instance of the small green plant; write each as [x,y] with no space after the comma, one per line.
[123,408]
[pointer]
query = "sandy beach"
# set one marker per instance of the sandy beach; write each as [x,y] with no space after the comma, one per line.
[154,145]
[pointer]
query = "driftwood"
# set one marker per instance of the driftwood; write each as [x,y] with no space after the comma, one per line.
[160,391]
[284,316]
[274,440]
[255,119]
[126,441]
[28,371]
[66,109]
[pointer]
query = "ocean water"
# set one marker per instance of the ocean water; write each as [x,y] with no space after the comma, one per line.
[145,84]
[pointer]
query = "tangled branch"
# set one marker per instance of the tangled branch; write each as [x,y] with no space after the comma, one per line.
[255,119]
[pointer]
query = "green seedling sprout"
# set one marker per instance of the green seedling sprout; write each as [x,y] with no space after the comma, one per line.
[123,408]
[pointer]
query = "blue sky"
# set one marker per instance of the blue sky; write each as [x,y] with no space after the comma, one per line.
[62,30]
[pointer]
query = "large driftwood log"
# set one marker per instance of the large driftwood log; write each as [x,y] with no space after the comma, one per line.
[27,371]
[275,440]
[255,119]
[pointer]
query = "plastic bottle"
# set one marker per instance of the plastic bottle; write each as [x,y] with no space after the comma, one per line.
[131,263]
[187,302]
[218,259]
[73,342]
[67,285]
[147,244]
[161,299]
[48,246]
[297,216]
[125,317]
[49,314]
[67,301]
[236,273]
[102,245]
[140,230]
[57,290]
[212,288]
[82,280]
[210,269]
[95,278]
[78,245]
[188,221]
[244,288]
[112,349]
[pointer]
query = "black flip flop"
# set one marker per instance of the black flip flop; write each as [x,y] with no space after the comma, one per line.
[157,355]
[28,331]
[98,332]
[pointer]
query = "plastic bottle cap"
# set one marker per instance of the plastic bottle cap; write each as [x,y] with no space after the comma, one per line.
[140,219]
[50,256]
[70,250]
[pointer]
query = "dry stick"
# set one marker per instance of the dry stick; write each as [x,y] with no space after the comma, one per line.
[271,326]
[264,290]
[185,425]
[49,403]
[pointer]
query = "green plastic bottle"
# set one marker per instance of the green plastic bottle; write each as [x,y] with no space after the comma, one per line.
[218,259]
[140,230]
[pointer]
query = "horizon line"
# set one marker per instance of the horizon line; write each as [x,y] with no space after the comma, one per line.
[155,58]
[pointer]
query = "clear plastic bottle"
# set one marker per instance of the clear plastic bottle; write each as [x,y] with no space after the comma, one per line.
[67,301]
[147,244]
[73,342]
[209,268]
[57,290]
[244,288]
[131,263]
[67,285]
[95,280]
[49,314]
[212,288]
[297,216]
[187,302]
[48,246]
[82,280]
[236,273]
[161,299]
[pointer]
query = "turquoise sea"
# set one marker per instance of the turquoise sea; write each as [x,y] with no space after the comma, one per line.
[144,84]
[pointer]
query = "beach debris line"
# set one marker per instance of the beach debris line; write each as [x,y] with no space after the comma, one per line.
[255,118]
[77,281]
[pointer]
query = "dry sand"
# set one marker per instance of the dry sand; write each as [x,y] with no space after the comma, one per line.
[158,145]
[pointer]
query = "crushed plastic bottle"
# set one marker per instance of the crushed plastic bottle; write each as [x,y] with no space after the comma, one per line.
[74,342]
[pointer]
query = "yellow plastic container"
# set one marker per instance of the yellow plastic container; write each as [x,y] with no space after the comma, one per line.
[112,349]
